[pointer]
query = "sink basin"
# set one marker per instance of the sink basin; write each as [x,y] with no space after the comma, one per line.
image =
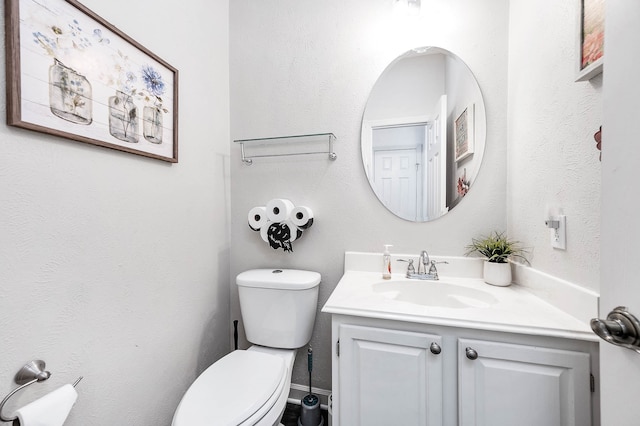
[434,293]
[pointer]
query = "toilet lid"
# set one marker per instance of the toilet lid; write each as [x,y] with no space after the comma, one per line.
[281,279]
[231,390]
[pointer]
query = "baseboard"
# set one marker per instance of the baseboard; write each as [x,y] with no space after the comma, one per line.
[297,392]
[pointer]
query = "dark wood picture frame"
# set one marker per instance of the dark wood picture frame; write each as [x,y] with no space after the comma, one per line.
[72,74]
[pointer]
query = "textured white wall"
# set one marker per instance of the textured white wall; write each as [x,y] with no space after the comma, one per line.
[553,164]
[114,266]
[300,66]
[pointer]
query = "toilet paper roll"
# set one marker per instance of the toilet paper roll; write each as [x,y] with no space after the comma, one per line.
[279,209]
[50,410]
[257,218]
[302,217]
[264,231]
[294,231]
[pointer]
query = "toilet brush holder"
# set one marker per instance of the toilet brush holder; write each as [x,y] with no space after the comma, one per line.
[310,414]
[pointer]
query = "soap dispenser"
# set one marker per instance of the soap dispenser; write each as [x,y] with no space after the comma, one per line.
[386,260]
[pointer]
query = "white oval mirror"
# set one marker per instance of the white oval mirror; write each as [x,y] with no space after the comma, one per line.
[423,134]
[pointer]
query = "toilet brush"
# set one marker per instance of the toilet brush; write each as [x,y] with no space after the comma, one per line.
[310,405]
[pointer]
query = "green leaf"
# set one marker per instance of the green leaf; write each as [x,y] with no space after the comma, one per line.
[496,247]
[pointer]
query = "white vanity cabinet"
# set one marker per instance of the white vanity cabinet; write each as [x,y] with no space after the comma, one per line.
[389,372]
[501,384]
[389,377]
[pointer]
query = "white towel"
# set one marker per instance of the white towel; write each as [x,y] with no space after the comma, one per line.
[50,410]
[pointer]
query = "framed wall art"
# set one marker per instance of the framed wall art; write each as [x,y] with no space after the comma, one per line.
[72,74]
[590,39]
[463,133]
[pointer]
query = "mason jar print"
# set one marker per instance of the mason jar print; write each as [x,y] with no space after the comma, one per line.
[69,94]
[123,117]
[152,124]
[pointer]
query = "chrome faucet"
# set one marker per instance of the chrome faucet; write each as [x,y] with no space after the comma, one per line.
[422,273]
[423,261]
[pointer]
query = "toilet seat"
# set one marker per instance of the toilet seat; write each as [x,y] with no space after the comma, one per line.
[239,389]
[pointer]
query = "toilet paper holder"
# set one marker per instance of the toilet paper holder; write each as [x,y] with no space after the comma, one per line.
[30,373]
[280,222]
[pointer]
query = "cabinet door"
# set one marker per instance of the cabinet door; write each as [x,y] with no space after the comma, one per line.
[389,377]
[521,385]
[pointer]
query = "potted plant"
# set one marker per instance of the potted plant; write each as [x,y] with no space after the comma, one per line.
[496,248]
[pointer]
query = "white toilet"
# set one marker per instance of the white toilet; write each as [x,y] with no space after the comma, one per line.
[250,387]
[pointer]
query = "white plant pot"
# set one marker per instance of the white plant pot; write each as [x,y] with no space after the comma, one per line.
[498,274]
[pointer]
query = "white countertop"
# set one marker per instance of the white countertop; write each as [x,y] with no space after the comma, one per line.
[512,309]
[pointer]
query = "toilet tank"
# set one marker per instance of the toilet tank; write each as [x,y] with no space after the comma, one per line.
[278,306]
